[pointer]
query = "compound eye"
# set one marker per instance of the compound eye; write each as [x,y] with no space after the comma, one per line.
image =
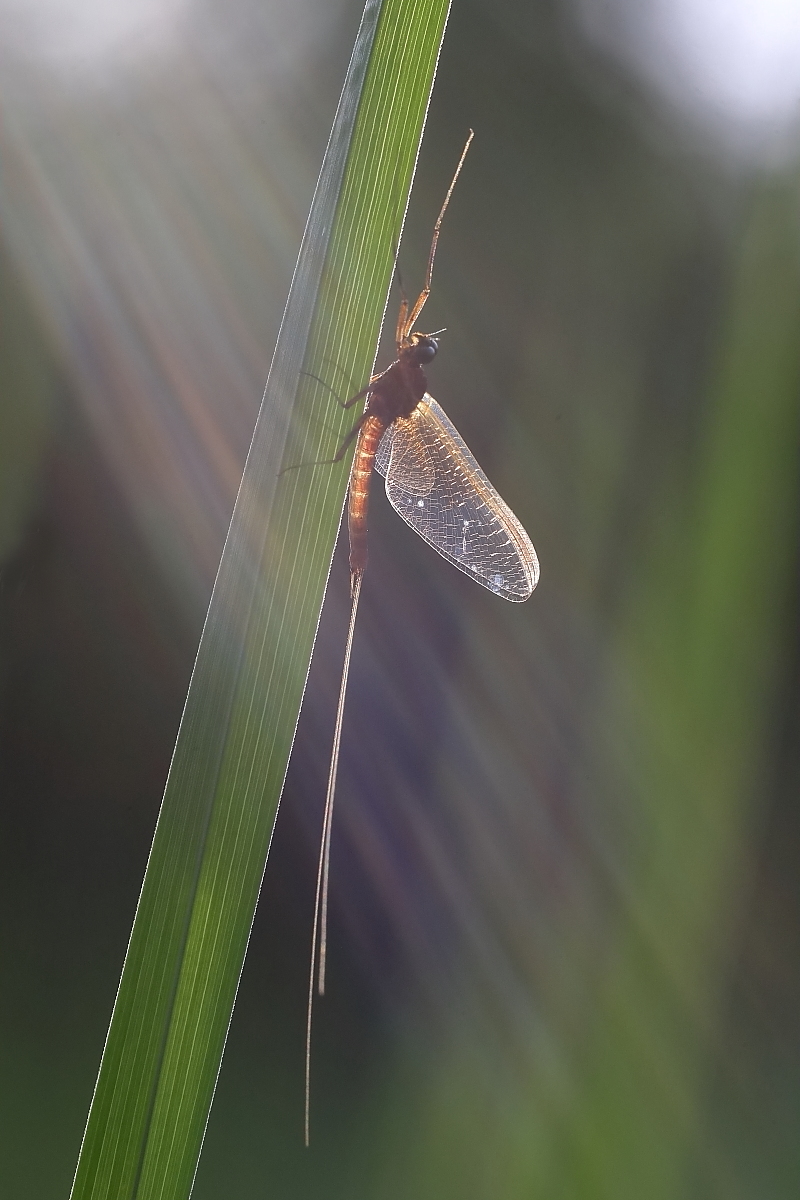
[426,349]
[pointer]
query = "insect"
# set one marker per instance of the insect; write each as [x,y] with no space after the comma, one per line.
[437,487]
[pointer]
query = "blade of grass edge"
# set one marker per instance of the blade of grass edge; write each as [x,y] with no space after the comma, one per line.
[187,947]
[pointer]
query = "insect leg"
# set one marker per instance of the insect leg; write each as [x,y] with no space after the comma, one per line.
[338,456]
[403,313]
[413,316]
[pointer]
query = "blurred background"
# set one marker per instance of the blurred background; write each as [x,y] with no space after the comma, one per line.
[566,908]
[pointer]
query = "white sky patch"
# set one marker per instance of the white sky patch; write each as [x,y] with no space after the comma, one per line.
[86,33]
[732,66]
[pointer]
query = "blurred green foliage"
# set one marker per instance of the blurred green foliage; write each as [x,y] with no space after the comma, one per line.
[566,911]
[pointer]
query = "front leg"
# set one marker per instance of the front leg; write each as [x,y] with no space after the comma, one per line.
[402,317]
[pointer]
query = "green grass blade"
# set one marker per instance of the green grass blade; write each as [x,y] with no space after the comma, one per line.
[187,947]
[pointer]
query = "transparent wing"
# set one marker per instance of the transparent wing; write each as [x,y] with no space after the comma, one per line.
[412,466]
[437,487]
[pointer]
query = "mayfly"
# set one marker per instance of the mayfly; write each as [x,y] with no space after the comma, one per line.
[437,487]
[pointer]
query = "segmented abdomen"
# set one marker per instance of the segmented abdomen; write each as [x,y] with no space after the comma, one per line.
[369,438]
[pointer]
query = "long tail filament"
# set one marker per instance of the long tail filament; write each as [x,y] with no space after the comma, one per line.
[319,936]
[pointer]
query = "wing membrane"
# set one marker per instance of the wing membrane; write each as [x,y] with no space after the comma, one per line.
[437,487]
[412,466]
